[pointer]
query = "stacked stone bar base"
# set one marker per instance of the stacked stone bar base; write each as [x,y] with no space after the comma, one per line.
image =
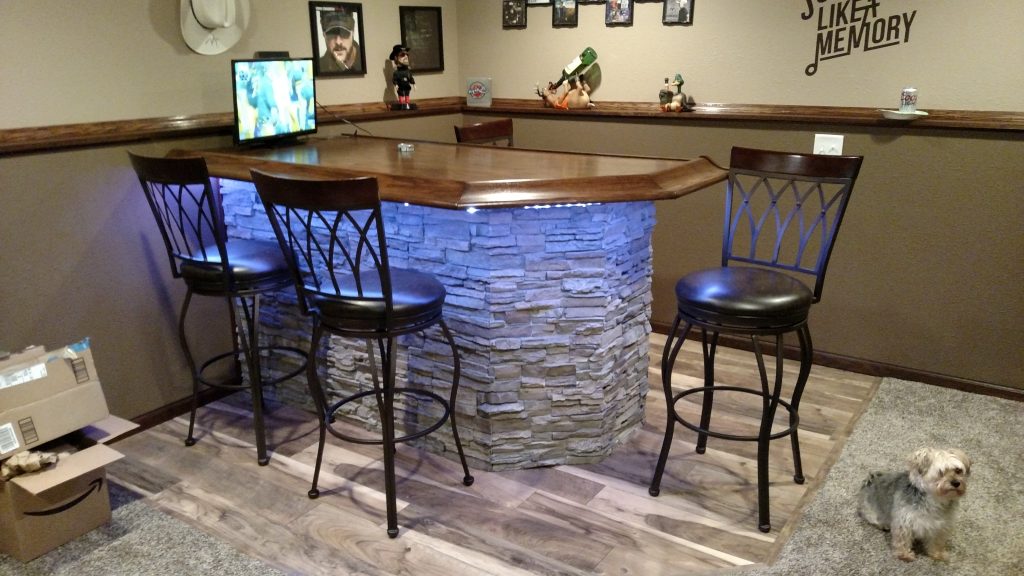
[550,309]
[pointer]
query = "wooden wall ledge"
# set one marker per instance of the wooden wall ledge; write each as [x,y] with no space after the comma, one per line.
[50,138]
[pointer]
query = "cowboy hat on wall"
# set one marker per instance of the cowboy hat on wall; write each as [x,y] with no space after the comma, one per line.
[212,26]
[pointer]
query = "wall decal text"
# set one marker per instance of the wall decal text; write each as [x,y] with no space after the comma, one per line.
[847,26]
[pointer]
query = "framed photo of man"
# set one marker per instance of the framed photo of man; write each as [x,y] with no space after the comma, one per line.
[677,12]
[336,29]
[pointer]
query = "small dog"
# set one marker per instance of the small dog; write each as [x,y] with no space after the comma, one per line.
[917,505]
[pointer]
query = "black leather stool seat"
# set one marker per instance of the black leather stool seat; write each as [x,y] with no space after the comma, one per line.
[417,300]
[256,265]
[744,298]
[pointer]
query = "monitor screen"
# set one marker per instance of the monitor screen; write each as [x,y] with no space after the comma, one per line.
[274,99]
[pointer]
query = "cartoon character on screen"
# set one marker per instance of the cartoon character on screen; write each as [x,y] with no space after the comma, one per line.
[260,94]
[402,77]
[300,84]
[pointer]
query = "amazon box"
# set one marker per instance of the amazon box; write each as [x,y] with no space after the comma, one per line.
[42,510]
[45,395]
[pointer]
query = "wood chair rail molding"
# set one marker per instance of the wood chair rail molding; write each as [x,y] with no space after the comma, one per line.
[51,138]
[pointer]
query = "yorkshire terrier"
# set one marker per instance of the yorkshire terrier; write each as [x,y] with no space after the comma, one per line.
[917,505]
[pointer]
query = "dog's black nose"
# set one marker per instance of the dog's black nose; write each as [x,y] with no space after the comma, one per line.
[955,483]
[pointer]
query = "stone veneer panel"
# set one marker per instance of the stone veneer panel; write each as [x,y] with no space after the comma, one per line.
[550,309]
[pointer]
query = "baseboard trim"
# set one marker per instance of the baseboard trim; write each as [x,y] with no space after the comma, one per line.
[873,368]
[175,409]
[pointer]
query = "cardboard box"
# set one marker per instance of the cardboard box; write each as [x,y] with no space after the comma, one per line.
[42,510]
[45,395]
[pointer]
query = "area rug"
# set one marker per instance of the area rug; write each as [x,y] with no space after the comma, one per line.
[989,535]
[139,541]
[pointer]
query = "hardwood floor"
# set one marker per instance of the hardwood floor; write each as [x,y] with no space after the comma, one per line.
[593,519]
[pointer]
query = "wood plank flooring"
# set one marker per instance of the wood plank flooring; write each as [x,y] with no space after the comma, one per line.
[593,519]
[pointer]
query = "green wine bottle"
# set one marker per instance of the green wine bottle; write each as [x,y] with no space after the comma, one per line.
[578,66]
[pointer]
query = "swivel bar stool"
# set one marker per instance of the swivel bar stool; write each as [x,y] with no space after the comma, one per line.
[188,211]
[332,235]
[782,215]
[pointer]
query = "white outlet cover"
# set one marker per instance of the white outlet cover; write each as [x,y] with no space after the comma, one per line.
[830,144]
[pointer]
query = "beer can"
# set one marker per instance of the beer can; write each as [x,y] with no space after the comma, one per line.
[908,100]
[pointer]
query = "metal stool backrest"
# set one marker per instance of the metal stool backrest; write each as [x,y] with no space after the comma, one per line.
[188,211]
[331,231]
[485,132]
[783,210]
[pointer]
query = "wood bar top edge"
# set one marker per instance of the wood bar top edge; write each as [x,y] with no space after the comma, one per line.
[49,138]
[684,177]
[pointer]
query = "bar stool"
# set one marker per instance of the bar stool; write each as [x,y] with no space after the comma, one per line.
[782,215]
[332,234]
[485,132]
[188,212]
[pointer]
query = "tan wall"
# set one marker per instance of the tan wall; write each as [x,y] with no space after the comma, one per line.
[93,60]
[925,275]
[960,55]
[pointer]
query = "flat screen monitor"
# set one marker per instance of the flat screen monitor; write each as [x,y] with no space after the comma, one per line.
[274,99]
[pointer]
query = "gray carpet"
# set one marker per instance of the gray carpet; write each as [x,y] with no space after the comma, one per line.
[140,541]
[829,539]
[989,534]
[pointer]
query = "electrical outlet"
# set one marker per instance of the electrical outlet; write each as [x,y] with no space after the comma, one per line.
[831,144]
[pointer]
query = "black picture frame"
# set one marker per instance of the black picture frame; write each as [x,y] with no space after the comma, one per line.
[677,13]
[564,14]
[513,14]
[323,64]
[618,13]
[423,34]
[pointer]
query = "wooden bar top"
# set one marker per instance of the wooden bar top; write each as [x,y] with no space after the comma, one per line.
[463,176]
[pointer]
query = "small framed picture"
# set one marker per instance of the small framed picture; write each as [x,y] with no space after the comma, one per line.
[564,14]
[677,12]
[513,13]
[337,32]
[618,13]
[422,35]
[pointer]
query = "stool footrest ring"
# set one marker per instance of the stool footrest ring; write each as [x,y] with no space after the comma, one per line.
[418,434]
[242,385]
[794,417]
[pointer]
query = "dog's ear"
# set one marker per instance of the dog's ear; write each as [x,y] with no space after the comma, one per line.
[920,461]
[963,458]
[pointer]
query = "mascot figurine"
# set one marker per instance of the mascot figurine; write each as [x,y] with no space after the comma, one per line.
[575,96]
[677,102]
[402,78]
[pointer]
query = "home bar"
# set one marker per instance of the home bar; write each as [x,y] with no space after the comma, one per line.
[561,256]
[546,258]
